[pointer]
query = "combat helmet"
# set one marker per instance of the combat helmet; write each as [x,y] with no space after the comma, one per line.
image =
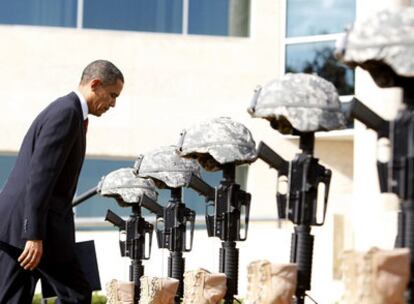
[166,167]
[216,142]
[302,102]
[126,185]
[382,44]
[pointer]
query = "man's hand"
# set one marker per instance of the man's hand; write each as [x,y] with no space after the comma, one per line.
[31,254]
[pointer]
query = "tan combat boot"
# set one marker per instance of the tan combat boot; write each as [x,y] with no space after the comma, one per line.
[270,283]
[203,287]
[119,292]
[375,277]
[158,290]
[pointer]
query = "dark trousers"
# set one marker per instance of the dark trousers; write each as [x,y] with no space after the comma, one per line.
[17,285]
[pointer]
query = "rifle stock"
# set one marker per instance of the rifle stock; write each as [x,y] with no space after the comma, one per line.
[368,117]
[152,206]
[201,187]
[115,220]
[273,159]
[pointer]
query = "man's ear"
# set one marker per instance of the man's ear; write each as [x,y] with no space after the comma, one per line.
[95,83]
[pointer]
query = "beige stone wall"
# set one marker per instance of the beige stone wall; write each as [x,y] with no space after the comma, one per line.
[171,80]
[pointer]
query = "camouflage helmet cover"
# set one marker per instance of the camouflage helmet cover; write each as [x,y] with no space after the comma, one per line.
[216,142]
[304,102]
[124,183]
[383,44]
[166,167]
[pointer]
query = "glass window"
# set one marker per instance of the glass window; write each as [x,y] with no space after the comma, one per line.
[39,12]
[139,15]
[92,172]
[97,206]
[219,17]
[318,17]
[318,58]
[6,165]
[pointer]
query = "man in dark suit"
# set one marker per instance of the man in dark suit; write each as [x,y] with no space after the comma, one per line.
[35,204]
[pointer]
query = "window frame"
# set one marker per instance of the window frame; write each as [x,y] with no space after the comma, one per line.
[285,41]
[79,21]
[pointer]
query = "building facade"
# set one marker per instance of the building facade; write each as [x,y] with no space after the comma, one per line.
[185,61]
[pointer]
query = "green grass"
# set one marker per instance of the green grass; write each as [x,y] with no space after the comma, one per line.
[96,299]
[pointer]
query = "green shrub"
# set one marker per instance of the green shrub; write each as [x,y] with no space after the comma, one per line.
[36,299]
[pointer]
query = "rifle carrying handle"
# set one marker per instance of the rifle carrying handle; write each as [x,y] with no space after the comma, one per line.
[190,218]
[326,180]
[281,196]
[246,204]
[148,230]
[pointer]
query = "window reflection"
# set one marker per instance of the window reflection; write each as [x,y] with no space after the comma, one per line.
[140,15]
[219,17]
[318,58]
[6,166]
[318,17]
[45,12]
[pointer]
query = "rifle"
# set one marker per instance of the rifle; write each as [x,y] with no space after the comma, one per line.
[300,203]
[172,233]
[225,222]
[357,110]
[137,232]
[396,175]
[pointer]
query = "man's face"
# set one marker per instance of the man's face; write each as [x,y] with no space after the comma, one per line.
[104,97]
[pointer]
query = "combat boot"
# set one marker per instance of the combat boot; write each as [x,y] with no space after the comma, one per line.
[375,277]
[203,287]
[119,292]
[158,290]
[270,283]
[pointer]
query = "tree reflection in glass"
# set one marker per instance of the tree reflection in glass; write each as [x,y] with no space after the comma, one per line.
[318,58]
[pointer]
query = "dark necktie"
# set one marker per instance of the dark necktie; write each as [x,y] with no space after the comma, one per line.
[85,124]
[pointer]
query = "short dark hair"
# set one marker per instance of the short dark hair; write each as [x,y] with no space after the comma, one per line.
[104,70]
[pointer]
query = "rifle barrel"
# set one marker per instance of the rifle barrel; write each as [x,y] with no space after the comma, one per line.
[84,196]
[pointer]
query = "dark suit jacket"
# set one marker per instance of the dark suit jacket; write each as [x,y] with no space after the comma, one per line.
[36,200]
